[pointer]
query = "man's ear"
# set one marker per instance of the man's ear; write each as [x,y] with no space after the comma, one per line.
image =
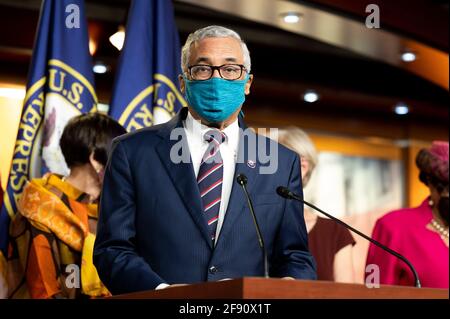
[248,84]
[182,83]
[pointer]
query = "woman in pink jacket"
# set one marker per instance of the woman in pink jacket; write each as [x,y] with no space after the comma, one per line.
[421,233]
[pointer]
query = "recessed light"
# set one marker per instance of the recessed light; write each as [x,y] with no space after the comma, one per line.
[408,56]
[310,96]
[118,38]
[92,46]
[291,17]
[401,108]
[103,108]
[100,68]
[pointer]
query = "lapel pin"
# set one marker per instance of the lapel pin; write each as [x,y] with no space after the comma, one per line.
[251,164]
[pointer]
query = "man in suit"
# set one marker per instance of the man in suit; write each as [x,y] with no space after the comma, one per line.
[167,218]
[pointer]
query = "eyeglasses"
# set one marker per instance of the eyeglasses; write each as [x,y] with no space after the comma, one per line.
[202,72]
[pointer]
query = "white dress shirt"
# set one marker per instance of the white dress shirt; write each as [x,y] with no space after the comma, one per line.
[195,132]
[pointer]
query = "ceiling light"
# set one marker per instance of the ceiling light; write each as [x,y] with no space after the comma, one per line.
[310,96]
[291,17]
[102,108]
[118,38]
[408,56]
[12,93]
[100,68]
[92,47]
[401,108]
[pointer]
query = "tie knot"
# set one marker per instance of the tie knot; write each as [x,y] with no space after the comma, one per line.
[215,136]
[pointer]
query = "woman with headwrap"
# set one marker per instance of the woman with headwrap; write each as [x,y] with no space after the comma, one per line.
[421,233]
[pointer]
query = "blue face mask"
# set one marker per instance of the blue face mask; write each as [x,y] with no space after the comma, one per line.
[215,99]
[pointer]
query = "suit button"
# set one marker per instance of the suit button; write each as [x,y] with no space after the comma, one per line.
[213,270]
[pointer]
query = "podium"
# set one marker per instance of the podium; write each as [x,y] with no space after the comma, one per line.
[271,288]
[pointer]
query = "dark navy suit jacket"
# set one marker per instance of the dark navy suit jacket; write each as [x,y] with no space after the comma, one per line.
[151,229]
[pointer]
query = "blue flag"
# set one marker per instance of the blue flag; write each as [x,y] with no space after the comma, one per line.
[146,86]
[60,86]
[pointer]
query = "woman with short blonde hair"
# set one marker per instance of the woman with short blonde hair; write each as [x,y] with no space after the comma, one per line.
[330,243]
[297,140]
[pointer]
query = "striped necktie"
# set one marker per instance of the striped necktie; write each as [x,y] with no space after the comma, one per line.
[210,178]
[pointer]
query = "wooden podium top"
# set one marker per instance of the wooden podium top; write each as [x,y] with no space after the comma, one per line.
[262,288]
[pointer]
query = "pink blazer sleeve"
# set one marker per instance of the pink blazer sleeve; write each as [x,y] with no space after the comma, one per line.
[388,265]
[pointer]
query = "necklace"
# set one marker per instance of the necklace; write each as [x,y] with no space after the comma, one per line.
[441,229]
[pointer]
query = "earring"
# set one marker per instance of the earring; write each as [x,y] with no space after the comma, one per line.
[431,203]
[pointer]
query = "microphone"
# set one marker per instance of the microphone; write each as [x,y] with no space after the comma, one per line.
[242,180]
[286,193]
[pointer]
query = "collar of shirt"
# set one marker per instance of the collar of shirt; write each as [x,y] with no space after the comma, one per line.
[195,131]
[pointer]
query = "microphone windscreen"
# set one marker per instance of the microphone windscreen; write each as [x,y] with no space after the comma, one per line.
[241,179]
[283,192]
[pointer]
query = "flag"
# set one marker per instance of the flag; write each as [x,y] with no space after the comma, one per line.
[146,86]
[60,86]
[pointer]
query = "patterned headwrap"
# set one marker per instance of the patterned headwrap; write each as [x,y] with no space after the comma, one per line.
[433,162]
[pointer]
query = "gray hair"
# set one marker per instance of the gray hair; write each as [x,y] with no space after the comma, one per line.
[212,31]
[297,140]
